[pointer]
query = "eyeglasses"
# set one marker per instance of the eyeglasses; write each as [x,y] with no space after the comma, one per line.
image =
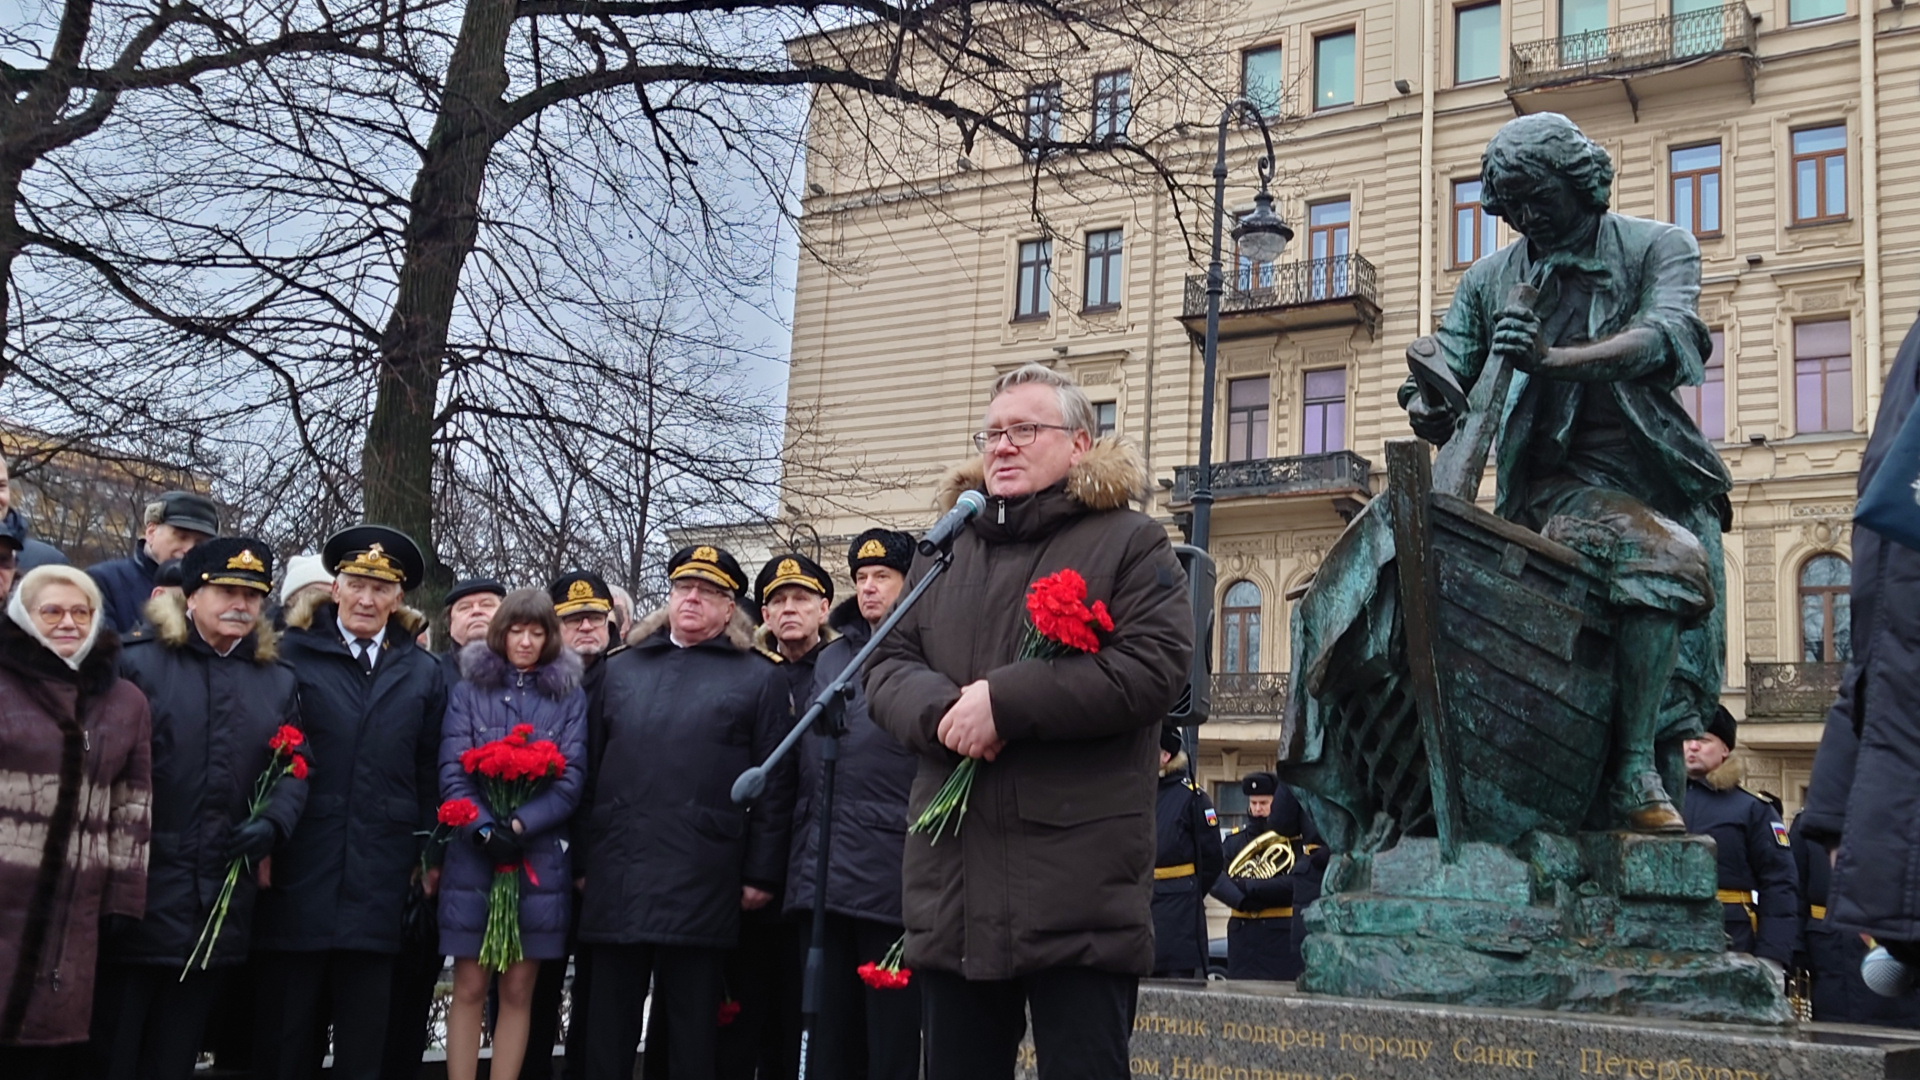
[712,594]
[1017,435]
[591,620]
[54,616]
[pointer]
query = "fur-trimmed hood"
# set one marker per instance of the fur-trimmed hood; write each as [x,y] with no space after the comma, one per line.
[302,614]
[488,670]
[768,646]
[168,614]
[1177,763]
[739,630]
[1107,477]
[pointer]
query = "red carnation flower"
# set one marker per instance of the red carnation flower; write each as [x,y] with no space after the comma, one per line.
[729,1010]
[286,738]
[298,767]
[455,813]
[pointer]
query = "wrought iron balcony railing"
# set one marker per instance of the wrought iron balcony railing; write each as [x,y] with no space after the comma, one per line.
[1249,693]
[1637,46]
[1795,691]
[1273,286]
[1303,474]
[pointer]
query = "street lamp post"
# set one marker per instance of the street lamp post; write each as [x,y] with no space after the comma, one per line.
[1261,236]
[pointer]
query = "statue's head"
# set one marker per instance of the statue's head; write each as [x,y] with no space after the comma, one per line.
[1545,177]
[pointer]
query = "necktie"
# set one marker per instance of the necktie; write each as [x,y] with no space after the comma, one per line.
[364,648]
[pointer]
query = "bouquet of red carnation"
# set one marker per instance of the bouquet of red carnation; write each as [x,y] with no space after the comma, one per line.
[1059,623]
[286,761]
[454,814]
[510,771]
[888,974]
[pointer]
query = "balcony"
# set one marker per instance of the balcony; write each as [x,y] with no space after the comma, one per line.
[1799,691]
[1289,296]
[1341,475]
[1251,695]
[1670,54]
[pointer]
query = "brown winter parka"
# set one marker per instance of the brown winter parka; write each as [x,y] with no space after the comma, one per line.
[1053,862]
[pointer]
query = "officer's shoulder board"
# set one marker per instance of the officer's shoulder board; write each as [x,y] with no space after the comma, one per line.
[615,651]
[1237,830]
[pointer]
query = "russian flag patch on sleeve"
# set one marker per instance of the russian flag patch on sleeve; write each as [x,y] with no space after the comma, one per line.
[1780,834]
[1213,819]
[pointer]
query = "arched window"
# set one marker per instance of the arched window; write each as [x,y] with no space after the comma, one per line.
[1240,628]
[1826,634]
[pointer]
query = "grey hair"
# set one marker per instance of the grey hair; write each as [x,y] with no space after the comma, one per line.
[155,511]
[1076,412]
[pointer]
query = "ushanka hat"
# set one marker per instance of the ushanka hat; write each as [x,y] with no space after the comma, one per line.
[241,561]
[880,547]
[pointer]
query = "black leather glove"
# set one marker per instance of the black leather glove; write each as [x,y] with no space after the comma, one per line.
[499,843]
[253,840]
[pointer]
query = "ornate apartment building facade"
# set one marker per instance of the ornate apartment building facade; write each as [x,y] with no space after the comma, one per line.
[1784,133]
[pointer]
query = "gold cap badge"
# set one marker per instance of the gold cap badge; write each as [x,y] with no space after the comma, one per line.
[872,549]
[247,560]
[579,590]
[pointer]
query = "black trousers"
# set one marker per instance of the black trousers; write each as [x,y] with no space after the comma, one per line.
[576,1064]
[543,1028]
[358,987]
[1082,1020]
[416,971]
[148,1023]
[686,1003]
[43,1062]
[760,973]
[862,1033]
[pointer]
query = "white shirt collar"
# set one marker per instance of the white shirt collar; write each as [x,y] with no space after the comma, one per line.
[348,636]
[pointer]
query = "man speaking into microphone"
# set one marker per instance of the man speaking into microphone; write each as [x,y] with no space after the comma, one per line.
[1042,899]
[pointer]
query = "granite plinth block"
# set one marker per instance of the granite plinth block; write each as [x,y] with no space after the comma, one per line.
[1268,1031]
[1652,867]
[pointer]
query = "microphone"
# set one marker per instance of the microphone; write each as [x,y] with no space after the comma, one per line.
[940,537]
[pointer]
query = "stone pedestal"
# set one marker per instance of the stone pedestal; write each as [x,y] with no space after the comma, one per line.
[1599,923]
[1267,1031]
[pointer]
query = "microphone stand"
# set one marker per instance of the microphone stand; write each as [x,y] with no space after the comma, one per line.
[827,716]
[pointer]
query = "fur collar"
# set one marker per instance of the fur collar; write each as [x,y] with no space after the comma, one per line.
[739,632]
[768,646]
[1108,476]
[168,614]
[1731,774]
[1178,763]
[488,670]
[23,654]
[303,614]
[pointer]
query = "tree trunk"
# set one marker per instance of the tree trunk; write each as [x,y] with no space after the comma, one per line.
[12,243]
[442,228]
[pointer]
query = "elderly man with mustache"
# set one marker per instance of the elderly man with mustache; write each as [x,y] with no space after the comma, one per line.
[211,672]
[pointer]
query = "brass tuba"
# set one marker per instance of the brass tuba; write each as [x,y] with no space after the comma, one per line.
[1268,856]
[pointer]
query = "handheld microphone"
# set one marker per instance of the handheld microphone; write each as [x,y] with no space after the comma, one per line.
[940,537]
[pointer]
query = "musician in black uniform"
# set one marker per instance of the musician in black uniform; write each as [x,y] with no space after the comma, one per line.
[1757,884]
[1833,955]
[1260,881]
[1187,860]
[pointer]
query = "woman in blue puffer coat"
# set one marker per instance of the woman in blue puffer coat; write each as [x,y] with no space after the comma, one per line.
[520,674]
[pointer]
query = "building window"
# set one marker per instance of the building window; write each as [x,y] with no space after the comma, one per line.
[1261,78]
[1696,188]
[1106,418]
[1583,31]
[1823,376]
[1826,632]
[1240,628]
[1247,419]
[1476,43]
[1820,174]
[1103,270]
[1043,118]
[1799,11]
[1112,105]
[1328,225]
[1323,424]
[1707,403]
[1473,227]
[1034,298]
[1333,70]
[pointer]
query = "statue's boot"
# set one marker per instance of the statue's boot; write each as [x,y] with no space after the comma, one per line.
[1648,648]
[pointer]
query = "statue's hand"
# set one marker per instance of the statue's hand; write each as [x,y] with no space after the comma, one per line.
[1432,421]
[1516,338]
